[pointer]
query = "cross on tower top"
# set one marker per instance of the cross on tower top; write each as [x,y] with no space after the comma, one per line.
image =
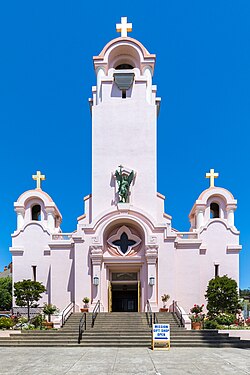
[124,28]
[212,175]
[38,177]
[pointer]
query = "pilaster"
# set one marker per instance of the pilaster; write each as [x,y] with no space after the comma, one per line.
[50,218]
[230,208]
[96,255]
[20,211]
[199,214]
[151,258]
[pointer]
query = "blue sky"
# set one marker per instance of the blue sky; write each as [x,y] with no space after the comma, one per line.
[203,77]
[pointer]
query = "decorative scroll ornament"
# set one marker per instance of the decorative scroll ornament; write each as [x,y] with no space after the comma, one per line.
[124,241]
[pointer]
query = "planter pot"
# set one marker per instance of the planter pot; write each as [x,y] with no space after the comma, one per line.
[85,309]
[196,325]
[163,309]
[48,325]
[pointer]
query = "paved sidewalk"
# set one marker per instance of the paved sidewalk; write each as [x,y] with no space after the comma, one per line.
[8,332]
[121,361]
[244,334]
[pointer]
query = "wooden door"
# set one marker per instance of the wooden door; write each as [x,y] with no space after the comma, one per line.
[110,297]
[139,296]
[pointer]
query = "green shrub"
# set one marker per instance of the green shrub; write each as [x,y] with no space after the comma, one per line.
[6,323]
[27,293]
[22,320]
[222,296]
[225,319]
[37,320]
[5,293]
[28,327]
[49,309]
[211,324]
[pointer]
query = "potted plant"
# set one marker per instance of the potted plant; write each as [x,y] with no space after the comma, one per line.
[197,316]
[164,299]
[49,309]
[86,304]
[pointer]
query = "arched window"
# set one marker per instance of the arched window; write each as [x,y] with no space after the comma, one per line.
[214,210]
[124,66]
[36,212]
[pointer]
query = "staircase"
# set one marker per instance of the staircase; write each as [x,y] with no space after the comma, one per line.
[120,330]
[180,337]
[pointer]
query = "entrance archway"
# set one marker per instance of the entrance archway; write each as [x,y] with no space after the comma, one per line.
[124,293]
[124,262]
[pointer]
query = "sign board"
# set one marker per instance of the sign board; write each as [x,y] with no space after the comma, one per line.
[161,336]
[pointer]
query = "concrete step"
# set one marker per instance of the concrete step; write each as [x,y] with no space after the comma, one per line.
[174,334]
[122,345]
[119,330]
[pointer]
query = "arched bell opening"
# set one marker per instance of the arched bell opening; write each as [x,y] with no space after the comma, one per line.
[36,212]
[124,57]
[214,210]
[124,67]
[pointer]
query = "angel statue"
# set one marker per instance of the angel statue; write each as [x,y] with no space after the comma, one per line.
[124,183]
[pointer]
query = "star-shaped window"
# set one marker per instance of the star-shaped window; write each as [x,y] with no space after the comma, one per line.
[124,240]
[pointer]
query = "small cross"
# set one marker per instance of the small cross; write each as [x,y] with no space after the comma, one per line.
[38,177]
[212,176]
[124,28]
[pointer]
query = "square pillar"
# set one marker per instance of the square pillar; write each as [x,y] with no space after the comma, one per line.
[152,282]
[96,255]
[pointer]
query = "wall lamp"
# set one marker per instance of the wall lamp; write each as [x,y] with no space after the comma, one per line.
[152,281]
[96,280]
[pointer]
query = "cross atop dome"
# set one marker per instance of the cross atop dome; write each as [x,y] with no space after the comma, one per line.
[212,175]
[38,177]
[124,27]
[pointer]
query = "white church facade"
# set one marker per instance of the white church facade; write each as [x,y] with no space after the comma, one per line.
[124,251]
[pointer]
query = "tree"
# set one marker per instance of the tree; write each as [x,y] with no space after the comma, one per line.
[245,293]
[222,296]
[5,293]
[49,310]
[27,292]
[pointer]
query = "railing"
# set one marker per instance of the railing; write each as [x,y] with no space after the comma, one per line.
[23,311]
[187,235]
[95,312]
[155,319]
[149,314]
[178,312]
[61,236]
[67,311]
[151,317]
[82,326]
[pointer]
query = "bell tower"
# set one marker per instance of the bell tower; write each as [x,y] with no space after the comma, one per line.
[124,123]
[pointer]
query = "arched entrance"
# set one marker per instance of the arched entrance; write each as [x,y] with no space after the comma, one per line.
[124,264]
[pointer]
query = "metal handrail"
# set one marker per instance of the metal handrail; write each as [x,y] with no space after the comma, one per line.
[65,313]
[155,319]
[95,312]
[149,314]
[82,323]
[178,312]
